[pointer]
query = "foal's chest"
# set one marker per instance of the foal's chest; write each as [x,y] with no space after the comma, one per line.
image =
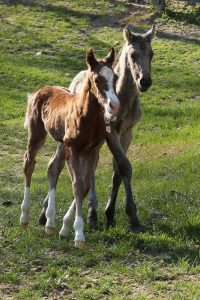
[85,132]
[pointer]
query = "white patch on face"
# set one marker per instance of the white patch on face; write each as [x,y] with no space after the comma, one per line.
[112,101]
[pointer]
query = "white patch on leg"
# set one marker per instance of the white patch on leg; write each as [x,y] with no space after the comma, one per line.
[51,212]
[25,207]
[68,221]
[78,227]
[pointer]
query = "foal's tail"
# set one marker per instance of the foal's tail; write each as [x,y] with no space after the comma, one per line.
[31,97]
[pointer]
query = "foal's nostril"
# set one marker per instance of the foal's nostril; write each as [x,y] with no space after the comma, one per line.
[114,106]
[146,82]
[142,81]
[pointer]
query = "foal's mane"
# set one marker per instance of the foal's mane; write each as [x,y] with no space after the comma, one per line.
[86,85]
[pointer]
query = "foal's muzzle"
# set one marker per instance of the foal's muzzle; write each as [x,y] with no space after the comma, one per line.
[111,109]
[113,106]
[145,83]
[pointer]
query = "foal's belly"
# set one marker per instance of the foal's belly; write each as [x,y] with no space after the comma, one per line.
[55,133]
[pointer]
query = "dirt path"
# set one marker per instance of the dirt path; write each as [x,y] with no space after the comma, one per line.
[180,22]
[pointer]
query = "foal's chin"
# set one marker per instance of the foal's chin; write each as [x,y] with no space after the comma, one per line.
[108,118]
[143,88]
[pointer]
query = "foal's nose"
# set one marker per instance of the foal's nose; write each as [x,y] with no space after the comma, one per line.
[145,82]
[114,106]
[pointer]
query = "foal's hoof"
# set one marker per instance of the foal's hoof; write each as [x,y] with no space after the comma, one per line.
[92,219]
[62,237]
[135,230]
[79,244]
[24,225]
[110,223]
[49,230]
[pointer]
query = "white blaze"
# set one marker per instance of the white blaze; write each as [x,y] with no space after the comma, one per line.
[110,93]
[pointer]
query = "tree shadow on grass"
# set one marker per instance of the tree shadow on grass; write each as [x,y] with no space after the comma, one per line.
[155,245]
[178,37]
[60,10]
[166,242]
[189,17]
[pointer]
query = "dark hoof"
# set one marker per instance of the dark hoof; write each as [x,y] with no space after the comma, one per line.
[135,230]
[110,223]
[92,219]
[42,219]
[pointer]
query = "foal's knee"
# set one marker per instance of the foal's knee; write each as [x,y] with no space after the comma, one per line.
[79,189]
[125,169]
[29,163]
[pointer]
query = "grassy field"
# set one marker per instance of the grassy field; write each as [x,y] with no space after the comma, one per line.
[44,42]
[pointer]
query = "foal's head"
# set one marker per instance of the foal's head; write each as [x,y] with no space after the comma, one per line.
[139,55]
[103,82]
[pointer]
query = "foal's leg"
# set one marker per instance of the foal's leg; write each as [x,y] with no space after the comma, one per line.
[92,217]
[35,142]
[55,167]
[125,141]
[110,207]
[68,221]
[125,171]
[74,166]
[69,216]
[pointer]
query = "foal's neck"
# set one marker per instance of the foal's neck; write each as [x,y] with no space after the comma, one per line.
[86,94]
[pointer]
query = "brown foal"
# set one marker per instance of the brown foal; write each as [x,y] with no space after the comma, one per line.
[78,122]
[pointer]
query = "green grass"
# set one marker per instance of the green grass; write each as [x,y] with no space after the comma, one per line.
[161,263]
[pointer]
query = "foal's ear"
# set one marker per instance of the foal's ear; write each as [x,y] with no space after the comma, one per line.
[127,34]
[150,34]
[90,59]
[110,58]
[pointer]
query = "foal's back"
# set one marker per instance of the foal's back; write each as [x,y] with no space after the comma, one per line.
[73,119]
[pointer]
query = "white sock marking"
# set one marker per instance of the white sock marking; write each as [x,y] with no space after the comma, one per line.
[25,207]
[68,220]
[51,212]
[78,227]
